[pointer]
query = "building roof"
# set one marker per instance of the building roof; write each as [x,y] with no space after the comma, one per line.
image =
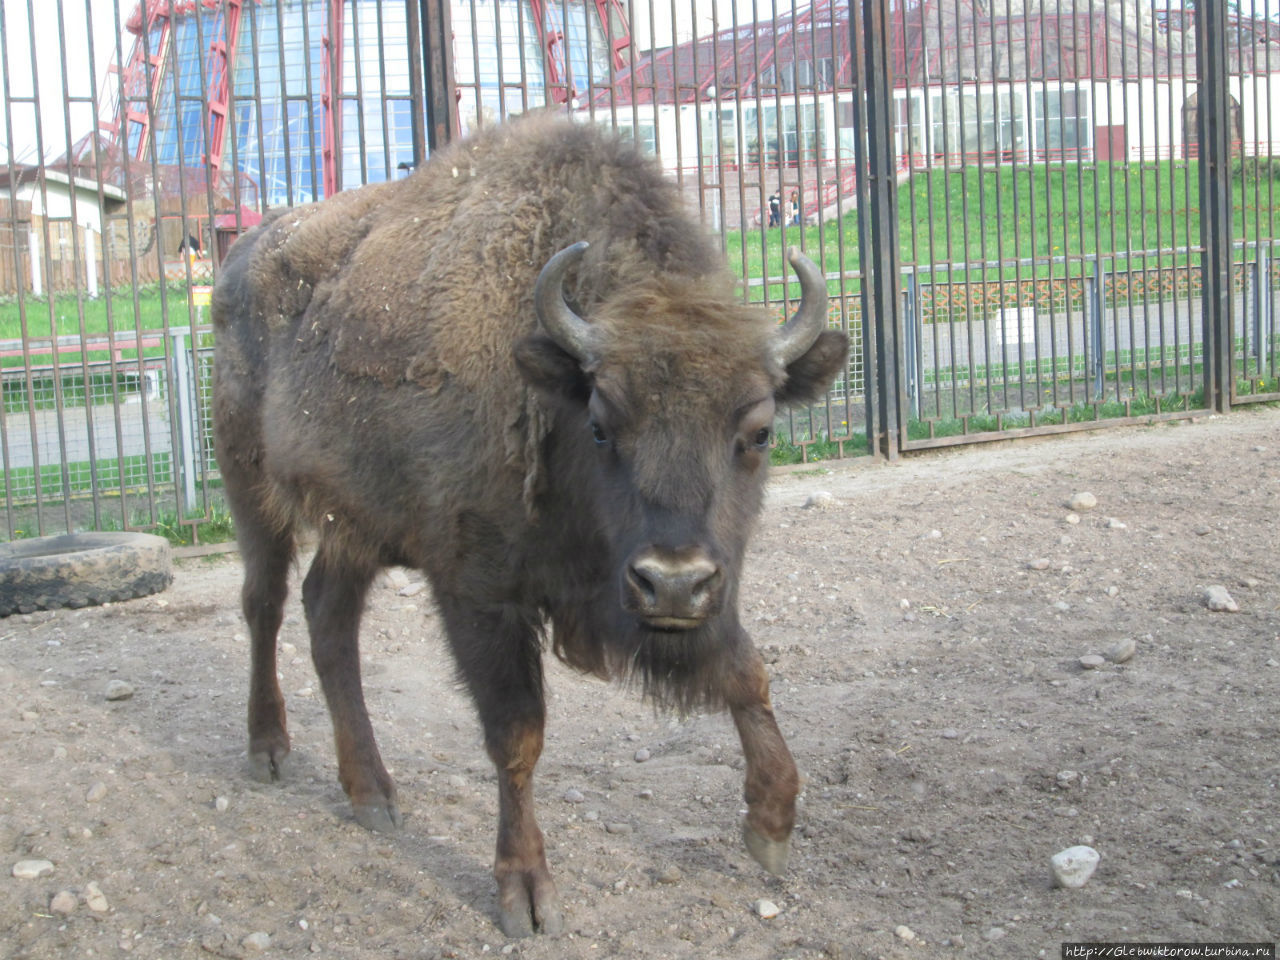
[21,175]
[939,41]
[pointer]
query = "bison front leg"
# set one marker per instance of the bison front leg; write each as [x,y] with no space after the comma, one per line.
[772,780]
[501,661]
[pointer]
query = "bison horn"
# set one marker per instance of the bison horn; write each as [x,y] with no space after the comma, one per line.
[798,334]
[565,327]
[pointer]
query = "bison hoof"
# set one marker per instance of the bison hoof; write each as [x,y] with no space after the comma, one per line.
[381,817]
[523,915]
[770,854]
[266,764]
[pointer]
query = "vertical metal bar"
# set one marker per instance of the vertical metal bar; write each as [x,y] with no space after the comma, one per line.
[75,202]
[437,60]
[884,252]
[417,81]
[911,339]
[6,106]
[1096,301]
[181,392]
[1213,123]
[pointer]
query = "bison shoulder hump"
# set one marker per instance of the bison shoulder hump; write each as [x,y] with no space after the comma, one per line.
[307,246]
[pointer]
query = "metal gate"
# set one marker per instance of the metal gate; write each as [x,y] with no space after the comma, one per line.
[1094,183]
[1033,215]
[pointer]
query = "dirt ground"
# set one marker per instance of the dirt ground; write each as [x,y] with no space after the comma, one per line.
[924,622]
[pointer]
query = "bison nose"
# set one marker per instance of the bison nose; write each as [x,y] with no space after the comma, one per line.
[672,589]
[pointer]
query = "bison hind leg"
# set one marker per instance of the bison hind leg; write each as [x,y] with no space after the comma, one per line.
[267,555]
[333,595]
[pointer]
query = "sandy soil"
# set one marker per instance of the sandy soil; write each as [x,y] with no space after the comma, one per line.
[924,624]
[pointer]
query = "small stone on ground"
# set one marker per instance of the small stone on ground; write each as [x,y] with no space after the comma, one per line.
[1073,866]
[32,869]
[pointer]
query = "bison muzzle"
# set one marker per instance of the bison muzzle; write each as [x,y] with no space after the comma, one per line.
[525,371]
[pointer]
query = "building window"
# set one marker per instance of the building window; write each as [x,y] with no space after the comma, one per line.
[644,134]
[1062,125]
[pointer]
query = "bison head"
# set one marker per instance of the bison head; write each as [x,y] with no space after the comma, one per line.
[665,401]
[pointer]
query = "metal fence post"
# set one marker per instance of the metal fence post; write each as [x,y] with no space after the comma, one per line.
[1266,308]
[1261,302]
[437,60]
[1093,311]
[183,394]
[911,338]
[1213,124]
[883,255]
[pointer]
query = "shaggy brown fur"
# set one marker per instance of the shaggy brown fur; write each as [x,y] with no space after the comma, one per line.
[381,376]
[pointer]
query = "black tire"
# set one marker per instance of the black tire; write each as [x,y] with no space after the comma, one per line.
[81,569]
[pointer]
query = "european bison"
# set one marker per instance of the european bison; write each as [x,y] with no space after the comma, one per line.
[525,371]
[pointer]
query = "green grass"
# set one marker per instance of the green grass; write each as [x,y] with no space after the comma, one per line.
[214,528]
[113,311]
[817,448]
[84,477]
[973,215]
[17,399]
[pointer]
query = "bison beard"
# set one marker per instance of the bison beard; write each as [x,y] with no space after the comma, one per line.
[525,371]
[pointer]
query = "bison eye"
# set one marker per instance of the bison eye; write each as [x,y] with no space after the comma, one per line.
[598,435]
[762,438]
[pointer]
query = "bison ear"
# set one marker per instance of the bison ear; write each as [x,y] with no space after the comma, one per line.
[810,376]
[550,370]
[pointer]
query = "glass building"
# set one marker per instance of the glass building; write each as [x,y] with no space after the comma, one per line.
[304,97]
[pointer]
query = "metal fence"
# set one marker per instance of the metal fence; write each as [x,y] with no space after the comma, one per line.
[1034,215]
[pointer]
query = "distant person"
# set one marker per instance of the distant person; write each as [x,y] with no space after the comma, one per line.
[191,246]
[775,210]
[793,209]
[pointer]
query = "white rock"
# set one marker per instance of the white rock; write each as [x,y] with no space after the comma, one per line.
[119,690]
[642,755]
[31,869]
[1217,598]
[1073,866]
[573,796]
[94,899]
[1082,501]
[1091,661]
[96,793]
[1114,524]
[64,902]
[220,804]
[256,942]
[412,589]
[904,933]
[1073,518]
[766,909]
[1041,563]
[820,500]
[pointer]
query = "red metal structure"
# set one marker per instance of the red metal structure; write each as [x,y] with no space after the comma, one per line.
[152,23]
[546,14]
[131,122]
